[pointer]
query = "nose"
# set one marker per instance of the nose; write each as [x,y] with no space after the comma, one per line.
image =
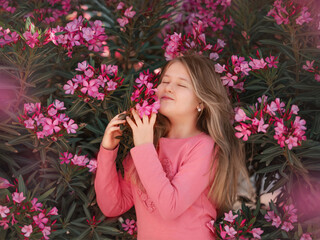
[168,87]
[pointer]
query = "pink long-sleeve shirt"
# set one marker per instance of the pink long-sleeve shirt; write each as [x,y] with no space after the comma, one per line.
[174,205]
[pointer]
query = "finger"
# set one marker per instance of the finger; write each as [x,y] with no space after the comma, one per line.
[116,122]
[114,128]
[145,119]
[153,118]
[130,122]
[136,117]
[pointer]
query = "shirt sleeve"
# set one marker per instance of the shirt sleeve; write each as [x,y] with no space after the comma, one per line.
[113,193]
[174,197]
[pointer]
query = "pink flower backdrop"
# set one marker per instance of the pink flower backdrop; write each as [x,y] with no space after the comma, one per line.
[67,67]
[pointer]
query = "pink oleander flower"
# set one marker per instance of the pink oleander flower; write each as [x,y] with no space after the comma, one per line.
[229,79]
[272,61]
[40,220]
[4,210]
[257,64]
[317,77]
[120,6]
[123,21]
[230,217]
[129,226]
[240,115]
[80,160]
[287,226]
[230,231]
[46,231]
[70,87]
[18,197]
[51,126]
[4,224]
[128,13]
[70,126]
[292,142]
[304,17]
[59,105]
[256,232]
[27,230]
[36,206]
[276,221]
[306,236]
[31,39]
[308,66]
[4,183]
[219,69]
[53,211]
[92,165]
[52,112]
[29,123]
[65,157]
[82,66]
[243,133]
[210,225]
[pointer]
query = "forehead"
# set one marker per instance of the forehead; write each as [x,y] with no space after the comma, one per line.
[177,70]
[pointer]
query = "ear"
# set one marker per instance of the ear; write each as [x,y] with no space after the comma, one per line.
[201,105]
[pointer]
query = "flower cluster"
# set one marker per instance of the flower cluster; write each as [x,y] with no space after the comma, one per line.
[4,5]
[144,94]
[234,73]
[129,226]
[34,36]
[211,13]
[235,226]
[176,44]
[79,160]
[127,14]
[80,32]
[285,221]
[287,125]
[52,13]
[7,37]
[94,83]
[310,68]
[48,121]
[27,215]
[284,12]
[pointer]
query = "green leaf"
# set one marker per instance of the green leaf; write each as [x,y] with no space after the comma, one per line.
[22,186]
[70,212]
[271,168]
[46,194]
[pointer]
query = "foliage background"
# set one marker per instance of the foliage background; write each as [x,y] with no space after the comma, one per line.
[38,74]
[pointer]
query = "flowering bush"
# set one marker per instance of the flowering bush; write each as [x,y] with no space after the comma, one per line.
[289,11]
[265,51]
[45,122]
[146,102]
[234,73]
[283,120]
[94,84]
[81,160]
[176,44]
[26,216]
[80,32]
[247,224]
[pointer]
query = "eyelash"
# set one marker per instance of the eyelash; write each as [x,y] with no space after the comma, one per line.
[178,84]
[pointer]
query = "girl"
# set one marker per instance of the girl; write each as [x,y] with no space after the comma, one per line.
[185,163]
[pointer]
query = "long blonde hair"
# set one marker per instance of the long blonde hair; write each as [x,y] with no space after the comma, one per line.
[214,120]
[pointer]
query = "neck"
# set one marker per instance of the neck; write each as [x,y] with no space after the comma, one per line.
[182,131]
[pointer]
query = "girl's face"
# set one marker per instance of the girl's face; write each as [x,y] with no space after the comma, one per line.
[176,93]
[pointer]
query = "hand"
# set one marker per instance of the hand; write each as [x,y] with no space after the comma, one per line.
[142,129]
[112,131]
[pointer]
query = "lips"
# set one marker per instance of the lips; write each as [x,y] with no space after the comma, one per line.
[166,97]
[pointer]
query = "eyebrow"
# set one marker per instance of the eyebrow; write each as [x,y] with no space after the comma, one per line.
[181,78]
